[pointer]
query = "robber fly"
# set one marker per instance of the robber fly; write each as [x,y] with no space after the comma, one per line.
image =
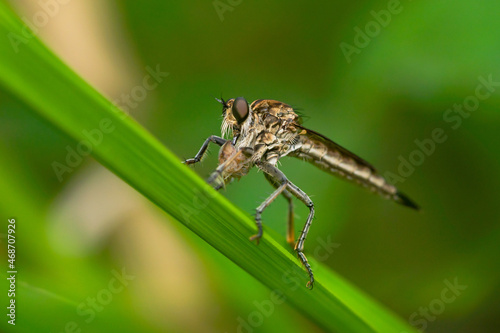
[265,131]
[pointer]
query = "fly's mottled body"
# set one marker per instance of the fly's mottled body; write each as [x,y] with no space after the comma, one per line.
[260,134]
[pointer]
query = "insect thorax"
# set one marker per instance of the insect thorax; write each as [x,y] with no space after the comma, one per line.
[269,131]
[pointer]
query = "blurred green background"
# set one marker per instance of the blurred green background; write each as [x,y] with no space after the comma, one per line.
[75,235]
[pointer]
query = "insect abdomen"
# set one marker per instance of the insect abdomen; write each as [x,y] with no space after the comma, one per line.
[339,163]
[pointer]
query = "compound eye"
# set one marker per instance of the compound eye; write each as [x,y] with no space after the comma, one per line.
[240,109]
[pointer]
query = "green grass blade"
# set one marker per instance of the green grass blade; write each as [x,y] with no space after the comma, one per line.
[60,97]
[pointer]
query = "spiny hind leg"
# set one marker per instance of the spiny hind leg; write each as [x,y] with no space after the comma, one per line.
[276,177]
[299,246]
[290,231]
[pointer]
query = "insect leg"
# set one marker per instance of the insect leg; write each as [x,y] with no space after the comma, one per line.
[276,177]
[299,246]
[290,231]
[215,139]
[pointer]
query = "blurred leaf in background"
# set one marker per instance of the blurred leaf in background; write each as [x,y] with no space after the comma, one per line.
[414,61]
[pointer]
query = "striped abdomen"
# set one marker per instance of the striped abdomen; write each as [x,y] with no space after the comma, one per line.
[329,156]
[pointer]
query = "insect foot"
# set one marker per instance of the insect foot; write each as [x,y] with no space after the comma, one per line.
[258,222]
[216,180]
[190,161]
[256,238]
[303,259]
